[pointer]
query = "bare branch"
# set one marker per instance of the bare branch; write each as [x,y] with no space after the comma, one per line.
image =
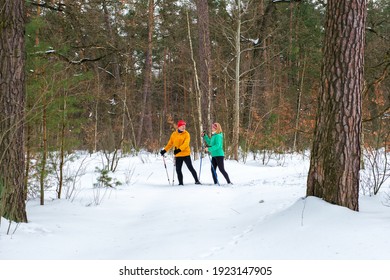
[70,61]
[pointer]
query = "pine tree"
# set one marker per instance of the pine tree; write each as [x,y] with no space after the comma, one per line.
[335,156]
[12,103]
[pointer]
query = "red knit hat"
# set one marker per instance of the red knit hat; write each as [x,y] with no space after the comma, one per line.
[180,123]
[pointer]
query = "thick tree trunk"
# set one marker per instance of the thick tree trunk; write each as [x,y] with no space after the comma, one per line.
[12,104]
[335,156]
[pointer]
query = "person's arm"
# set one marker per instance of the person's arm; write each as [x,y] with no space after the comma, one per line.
[207,139]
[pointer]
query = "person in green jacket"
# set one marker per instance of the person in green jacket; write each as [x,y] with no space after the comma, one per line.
[215,148]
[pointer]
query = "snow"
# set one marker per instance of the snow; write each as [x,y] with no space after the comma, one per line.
[263,216]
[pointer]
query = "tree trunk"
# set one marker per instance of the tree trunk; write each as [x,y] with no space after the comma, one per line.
[146,118]
[236,105]
[62,146]
[335,156]
[44,150]
[299,101]
[96,113]
[109,28]
[12,104]
[197,86]
[204,60]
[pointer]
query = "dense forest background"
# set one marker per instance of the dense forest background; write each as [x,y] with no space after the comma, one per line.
[116,75]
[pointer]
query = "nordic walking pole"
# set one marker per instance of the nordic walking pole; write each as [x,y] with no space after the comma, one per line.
[166,169]
[200,164]
[201,157]
[214,171]
[174,167]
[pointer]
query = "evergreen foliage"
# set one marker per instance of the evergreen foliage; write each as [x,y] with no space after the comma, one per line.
[90,58]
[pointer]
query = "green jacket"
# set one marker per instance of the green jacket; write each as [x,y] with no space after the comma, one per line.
[215,144]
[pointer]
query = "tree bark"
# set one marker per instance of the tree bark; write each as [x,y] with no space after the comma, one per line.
[204,60]
[335,156]
[12,104]
[197,86]
[146,118]
[236,104]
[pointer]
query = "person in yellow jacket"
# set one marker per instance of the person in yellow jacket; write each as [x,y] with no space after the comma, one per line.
[180,140]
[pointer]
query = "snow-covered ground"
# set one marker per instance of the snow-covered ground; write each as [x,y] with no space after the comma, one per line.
[263,216]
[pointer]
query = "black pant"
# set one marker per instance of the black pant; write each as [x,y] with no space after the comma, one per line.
[179,164]
[219,162]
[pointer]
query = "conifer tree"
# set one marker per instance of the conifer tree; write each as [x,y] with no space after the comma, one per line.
[12,103]
[335,156]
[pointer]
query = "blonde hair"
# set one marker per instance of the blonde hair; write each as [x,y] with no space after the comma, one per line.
[218,128]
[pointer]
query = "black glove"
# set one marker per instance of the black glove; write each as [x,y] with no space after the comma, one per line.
[176,151]
[203,133]
[162,152]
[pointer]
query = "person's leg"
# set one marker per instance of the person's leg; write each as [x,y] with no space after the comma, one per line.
[221,166]
[179,164]
[188,162]
[214,170]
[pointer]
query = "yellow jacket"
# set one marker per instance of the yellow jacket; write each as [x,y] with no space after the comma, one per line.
[179,140]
